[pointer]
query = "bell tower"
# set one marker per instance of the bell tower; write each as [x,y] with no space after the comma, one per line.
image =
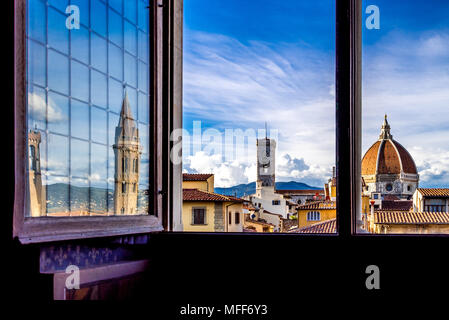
[127,151]
[265,163]
[36,194]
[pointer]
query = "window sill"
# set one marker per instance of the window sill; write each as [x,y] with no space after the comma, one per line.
[46,229]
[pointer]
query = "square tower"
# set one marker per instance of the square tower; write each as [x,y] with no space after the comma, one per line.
[266,163]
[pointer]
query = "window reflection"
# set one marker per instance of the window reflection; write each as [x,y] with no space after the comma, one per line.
[87,102]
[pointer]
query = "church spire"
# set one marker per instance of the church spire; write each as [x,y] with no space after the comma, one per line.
[385,130]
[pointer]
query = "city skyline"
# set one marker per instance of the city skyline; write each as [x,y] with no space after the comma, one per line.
[277,65]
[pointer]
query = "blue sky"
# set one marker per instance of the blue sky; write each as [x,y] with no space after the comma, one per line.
[247,62]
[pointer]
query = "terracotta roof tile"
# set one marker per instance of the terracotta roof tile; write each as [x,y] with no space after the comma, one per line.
[198,195]
[410,217]
[327,226]
[388,159]
[387,156]
[408,165]
[369,161]
[401,205]
[318,205]
[434,192]
[196,176]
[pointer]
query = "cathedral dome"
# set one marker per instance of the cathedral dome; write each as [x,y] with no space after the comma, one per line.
[387,156]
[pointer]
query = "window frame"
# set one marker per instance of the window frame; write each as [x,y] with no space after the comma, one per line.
[204,216]
[45,229]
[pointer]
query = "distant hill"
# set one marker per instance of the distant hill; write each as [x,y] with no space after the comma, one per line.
[250,188]
[58,198]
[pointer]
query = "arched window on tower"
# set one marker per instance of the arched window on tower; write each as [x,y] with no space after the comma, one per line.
[123,187]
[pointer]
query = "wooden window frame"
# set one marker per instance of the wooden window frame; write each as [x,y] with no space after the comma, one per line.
[204,216]
[165,107]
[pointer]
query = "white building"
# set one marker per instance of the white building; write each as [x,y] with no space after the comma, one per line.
[266,197]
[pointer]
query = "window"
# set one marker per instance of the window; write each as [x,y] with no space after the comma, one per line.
[230,218]
[199,216]
[83,104]
[294,66]
[83,85]
[237,218]
[313,216]
[376,196]
[389,106]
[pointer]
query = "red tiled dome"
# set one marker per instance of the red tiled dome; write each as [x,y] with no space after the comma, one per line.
[387,157]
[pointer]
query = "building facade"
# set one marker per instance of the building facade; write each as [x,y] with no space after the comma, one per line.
[206,211]
[36,191]
[388,168]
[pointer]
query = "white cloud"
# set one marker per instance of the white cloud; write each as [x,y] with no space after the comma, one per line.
[231,173]
[407,77]
[291,86]
[38,109]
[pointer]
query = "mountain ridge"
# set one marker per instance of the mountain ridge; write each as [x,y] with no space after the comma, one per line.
[250,188]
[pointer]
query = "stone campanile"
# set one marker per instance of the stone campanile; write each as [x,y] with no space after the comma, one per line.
[265,163]
[127,151]
[36,194]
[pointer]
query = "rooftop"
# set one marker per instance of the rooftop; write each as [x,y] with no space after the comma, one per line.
[198,195]
[327,226]
[196,176]
[410,217]
[434,192]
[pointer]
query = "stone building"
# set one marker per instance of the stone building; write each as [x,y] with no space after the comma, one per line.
[127,151]
[388,168]
[36,192]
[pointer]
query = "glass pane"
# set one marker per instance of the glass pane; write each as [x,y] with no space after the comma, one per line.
[115,95]
[131,10]
[59,4]
[130,70]
[58,69]
[99,53]
[58,34]
[143,46]
[58,113]
[80,81]
[130,38]
[99,125]
[99,89]
[76,139]
[83,5]
[143,76]
[115,28]
[37,108]
[143,15]
[80,44]
[98,14]
[36,21]
[405,137]
[143,108]
[79,158]
[115,61]
[37,53]
[116,4]
[79,119]
[259,114]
